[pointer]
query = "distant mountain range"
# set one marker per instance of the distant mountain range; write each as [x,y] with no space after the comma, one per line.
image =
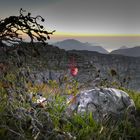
[72,44]
[134,52]
[123,47]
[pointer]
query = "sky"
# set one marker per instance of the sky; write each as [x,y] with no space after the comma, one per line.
[109,23]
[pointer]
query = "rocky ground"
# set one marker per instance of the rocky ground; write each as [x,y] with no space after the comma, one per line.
[93,68]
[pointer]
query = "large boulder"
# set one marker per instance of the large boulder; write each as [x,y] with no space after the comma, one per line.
[102,102]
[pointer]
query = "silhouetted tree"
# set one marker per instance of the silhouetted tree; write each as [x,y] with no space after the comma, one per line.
[14,27]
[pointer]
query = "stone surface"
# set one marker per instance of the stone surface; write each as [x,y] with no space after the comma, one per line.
[88,63]
[102,102]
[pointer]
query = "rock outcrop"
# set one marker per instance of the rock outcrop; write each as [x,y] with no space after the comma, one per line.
[102,103]
[93,68]
[127,69]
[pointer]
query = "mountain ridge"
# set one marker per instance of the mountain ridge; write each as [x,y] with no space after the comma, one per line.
[72,44]
[134,52]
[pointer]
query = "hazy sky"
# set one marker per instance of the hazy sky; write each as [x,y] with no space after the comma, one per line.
[94,21]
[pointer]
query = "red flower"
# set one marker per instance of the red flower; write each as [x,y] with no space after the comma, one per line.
[74,71]
[73,67]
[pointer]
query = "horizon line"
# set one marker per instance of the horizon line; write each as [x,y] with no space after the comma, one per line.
[96,35]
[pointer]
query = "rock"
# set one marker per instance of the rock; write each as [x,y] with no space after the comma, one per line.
[102,102]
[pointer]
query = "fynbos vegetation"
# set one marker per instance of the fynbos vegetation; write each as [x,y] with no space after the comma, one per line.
[39,110]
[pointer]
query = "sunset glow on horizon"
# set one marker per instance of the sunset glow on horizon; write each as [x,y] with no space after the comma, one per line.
[95,34]
[108,23]
[108,41]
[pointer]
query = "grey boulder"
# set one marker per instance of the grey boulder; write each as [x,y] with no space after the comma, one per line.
[102,102]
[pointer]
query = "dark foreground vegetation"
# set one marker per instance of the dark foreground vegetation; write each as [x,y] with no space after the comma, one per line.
[23,117]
